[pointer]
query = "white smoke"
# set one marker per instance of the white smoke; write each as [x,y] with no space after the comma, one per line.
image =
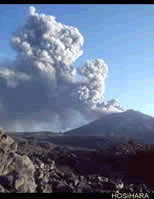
[110,106]
[40,89]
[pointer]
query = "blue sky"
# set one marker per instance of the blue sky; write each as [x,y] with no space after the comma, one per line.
[122,35]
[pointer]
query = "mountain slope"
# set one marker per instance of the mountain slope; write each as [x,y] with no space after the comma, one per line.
[130,123]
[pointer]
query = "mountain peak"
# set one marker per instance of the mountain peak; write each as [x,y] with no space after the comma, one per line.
[130,123]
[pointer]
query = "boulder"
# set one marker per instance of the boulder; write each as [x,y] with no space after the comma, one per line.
[2,190]
[64,188]
[7,144]
[17,171]
[83,187]
[47,189]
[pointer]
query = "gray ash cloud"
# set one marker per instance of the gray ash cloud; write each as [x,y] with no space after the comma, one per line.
[40,89]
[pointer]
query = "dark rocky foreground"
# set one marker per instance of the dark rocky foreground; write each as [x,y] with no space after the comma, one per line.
[31,163]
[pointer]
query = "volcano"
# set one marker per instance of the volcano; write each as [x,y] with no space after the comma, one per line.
[130,124]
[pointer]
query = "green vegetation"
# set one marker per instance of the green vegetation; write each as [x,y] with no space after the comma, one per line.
[57,154]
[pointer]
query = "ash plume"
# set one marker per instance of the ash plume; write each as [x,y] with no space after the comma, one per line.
[40,89]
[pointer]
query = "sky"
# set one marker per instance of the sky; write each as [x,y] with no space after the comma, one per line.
[121,35]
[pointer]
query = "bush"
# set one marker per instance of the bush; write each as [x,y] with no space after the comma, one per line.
[57,154]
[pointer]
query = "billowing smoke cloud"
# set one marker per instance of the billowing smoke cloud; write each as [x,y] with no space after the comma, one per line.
[40,89]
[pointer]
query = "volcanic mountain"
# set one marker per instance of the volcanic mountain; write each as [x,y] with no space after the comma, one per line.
[130,124]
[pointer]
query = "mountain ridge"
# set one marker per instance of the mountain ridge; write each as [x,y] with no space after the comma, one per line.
[130,123]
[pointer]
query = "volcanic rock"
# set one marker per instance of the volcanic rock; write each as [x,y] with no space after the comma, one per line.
[16,171]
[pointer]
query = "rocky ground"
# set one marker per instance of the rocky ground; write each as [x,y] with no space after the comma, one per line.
[33,164]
